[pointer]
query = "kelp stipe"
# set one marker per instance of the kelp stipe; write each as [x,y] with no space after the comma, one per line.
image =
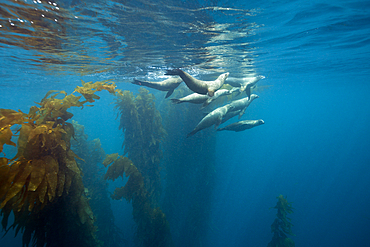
[142,126]
[96,188]
[281,227]
[152,226]
[42,184]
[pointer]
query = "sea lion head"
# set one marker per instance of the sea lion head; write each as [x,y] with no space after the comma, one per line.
[223,76]
[260,121]
[254,96]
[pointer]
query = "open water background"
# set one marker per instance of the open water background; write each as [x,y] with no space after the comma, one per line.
[314,145]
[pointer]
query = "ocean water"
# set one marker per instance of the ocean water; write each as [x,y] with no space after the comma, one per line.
[313,147]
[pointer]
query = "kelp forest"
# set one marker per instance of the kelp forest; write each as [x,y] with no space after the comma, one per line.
[55,190]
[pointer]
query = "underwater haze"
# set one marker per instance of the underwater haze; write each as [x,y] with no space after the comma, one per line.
[215,188]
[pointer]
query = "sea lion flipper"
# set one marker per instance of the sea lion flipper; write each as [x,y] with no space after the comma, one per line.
[176,101]
[218,122]
[206,103]
[169,93]
[136,82]
[143,83]
[173,72]
[248,91]
[211,92]
[242,112]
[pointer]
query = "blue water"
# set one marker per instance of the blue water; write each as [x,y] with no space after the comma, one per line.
[314,145]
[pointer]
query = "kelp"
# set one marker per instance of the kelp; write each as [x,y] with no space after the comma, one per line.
[89,89]
[152,226]
[141,123]
[109,158]
[96,188]
[43,180]
[8,118]
[281,227]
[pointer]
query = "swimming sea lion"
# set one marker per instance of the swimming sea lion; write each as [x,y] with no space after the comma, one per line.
[212,118]
[217,94]
[229,115]
[168,85]
[249,84]
[198,86]
[242,104]
[194,98]
[242,125]
[245,84]
[235,89]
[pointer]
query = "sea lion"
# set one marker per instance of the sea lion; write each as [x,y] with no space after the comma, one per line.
[229,115]
[235,89]
[217,94]
[198,86]
[245,84]
[212,118]
[242,125]
[197,98]
[242,104]
[168,85]
[194,98]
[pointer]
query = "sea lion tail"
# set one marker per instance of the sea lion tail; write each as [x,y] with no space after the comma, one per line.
[169,93]
[206,103]
[192,133]
[137,82]
[173,72]
[142,83]
[176,101]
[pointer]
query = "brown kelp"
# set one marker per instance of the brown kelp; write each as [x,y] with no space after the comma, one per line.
[42,183]
[152,226]
[142,126]
[96,188]
[281,227]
